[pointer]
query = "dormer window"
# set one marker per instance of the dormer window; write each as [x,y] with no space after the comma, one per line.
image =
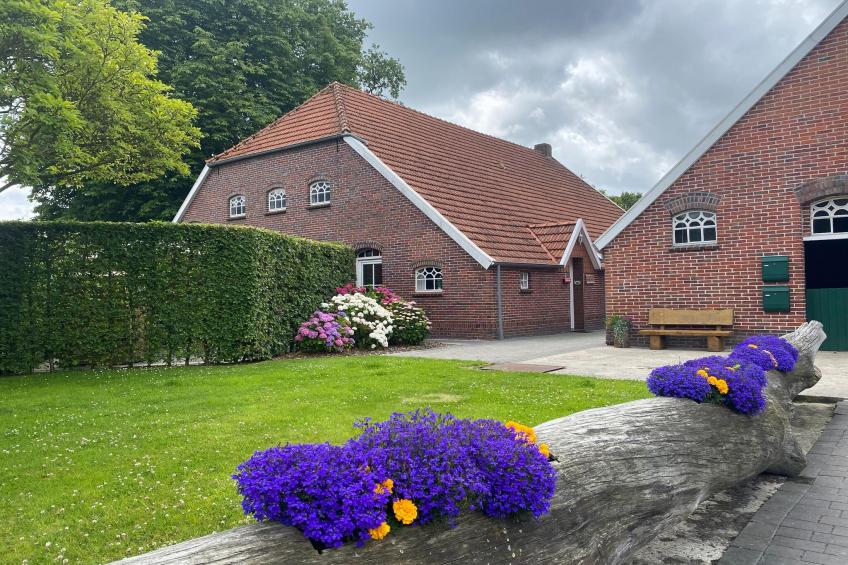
[829,216]
[276,200]
[237,206]
[695,227]
[319,193]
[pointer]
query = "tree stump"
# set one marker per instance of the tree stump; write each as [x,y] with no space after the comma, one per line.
[625,473]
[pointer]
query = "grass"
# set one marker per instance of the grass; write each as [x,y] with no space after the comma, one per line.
[100,465]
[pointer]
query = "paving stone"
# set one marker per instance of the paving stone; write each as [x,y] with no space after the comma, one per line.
[796,533]
[822,558]
[756,544]
[760,530]
[799,544]
[812,526]
[833,549]
[831,538]
[834,521]
[783,552]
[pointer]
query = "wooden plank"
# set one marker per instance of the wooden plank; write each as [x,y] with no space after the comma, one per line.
[721,333]
[672,317]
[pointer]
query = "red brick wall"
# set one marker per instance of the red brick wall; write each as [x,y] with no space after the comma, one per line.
[795,134]
[367,210]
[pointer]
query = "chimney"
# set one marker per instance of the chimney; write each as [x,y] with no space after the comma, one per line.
[544,149]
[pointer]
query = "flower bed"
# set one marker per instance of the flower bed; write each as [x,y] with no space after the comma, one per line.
[411,469]
[736,381]
[363,317]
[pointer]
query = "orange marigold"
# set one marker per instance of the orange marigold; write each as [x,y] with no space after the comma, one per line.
[545,450]
[405,511]
[380,531]
[703,373]
[722,387]
[522,432]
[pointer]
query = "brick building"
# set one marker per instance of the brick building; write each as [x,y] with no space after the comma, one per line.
[491,238]
[768,185]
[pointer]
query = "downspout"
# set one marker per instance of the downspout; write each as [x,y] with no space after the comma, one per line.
[500,302]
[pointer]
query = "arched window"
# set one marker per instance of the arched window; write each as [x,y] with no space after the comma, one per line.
[276,200]
[694,227]
[369,268]
[319,193]
[829,216]
[428,279]
[237,206]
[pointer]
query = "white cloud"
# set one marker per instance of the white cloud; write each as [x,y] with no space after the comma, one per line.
[14,204]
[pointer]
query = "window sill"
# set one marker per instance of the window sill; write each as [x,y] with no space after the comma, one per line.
[274,212]
[697,247]
[236,218]
[315,206]
[427,293]
[524,291]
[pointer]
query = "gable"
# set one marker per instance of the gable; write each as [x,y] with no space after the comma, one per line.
[766,86]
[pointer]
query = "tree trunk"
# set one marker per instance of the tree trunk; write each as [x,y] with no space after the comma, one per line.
[625,473]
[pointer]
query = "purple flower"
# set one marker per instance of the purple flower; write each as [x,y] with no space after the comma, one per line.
[768,352]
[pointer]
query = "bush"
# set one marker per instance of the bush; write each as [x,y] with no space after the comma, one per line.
[410,469]
[111,293]
[411,326]
[371,322]
[325,331]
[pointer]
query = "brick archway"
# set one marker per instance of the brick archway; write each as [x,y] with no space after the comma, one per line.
[836,185]
[692,201]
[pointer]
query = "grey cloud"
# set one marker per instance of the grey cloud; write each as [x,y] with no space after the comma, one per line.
[621,89]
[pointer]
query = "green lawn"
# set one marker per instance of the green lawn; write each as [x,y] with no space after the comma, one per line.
[104,464]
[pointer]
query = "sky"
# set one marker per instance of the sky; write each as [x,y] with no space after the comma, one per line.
[621,89]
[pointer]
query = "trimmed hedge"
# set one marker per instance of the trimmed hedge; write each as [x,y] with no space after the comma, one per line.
[103,294]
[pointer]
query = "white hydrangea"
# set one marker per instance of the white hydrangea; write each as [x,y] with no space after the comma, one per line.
[366,315]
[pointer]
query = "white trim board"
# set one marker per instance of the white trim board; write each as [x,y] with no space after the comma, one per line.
[826,236]
[724,125]
[435,216]
[580,229]
[191,194]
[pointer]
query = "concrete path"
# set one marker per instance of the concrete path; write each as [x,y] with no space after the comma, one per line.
[585,354]
[806,520]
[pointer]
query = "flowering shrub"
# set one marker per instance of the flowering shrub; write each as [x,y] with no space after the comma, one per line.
[410,469]
[767,352]
[382,294]
[325,331]
[411,325]
[371,322]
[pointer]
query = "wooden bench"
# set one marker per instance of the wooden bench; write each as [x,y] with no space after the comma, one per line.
[708,323]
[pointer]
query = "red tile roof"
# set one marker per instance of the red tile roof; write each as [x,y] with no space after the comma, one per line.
[490,189]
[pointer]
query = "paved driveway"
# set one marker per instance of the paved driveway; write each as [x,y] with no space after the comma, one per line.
[586,354]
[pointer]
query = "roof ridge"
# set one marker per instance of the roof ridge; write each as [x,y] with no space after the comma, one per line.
[270,125]
[341,112]
[552,224]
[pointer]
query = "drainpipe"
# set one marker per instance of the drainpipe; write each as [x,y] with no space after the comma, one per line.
[500,302]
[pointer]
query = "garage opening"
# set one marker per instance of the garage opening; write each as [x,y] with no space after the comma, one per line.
[826,263]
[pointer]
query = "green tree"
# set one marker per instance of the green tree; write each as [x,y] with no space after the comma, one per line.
[78,101]
[626,199]
[241,63]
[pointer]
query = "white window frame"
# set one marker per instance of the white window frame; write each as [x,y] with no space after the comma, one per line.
[320,193]
[524,280]
[276,200]
[830,207]
[696,223]
[366,257]
[235,203]
[429,273]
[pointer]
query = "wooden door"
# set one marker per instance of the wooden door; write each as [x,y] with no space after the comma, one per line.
[827,289]
[577,285]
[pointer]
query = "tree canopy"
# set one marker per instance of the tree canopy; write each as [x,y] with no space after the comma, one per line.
[242,64]
[79,102]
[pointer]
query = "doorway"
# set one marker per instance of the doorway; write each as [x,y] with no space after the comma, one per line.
[826,266]
[369,268]
[578,315]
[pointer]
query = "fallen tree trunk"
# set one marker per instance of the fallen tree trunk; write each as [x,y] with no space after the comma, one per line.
[625,473]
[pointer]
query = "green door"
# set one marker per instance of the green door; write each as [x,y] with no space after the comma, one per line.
[830,307]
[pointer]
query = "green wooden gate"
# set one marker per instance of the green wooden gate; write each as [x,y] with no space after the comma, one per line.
[830,307]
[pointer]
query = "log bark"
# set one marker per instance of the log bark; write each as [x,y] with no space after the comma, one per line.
[626,473]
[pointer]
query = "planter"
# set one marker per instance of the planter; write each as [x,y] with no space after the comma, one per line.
[621,341]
